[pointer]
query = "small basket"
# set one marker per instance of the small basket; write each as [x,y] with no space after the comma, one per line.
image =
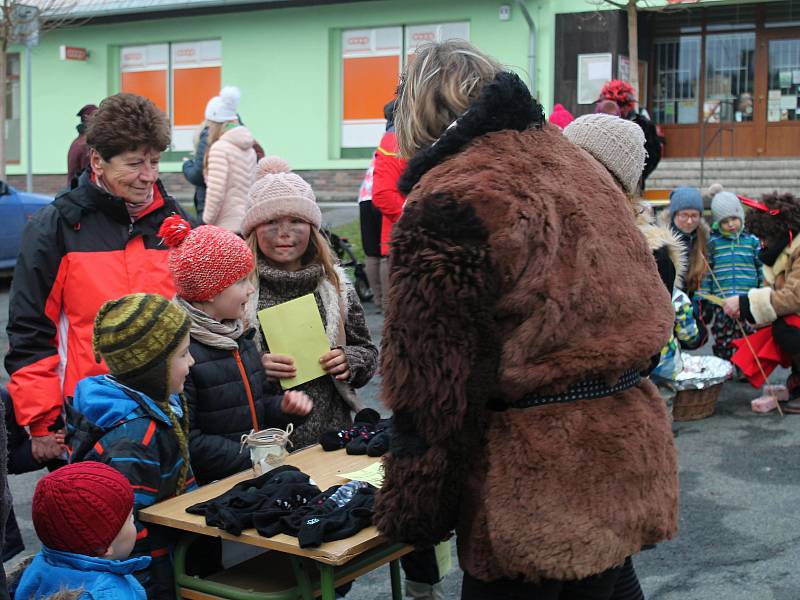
[691,405]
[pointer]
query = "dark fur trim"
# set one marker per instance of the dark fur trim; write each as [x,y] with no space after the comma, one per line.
[448,287]
[504,103]
[772,229]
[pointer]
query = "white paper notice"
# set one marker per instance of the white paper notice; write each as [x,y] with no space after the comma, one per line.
[789,102]
[599,70]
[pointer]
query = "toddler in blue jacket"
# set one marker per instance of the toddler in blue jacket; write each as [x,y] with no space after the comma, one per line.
[83,514]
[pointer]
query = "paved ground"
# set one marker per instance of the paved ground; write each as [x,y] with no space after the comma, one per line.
[739,536]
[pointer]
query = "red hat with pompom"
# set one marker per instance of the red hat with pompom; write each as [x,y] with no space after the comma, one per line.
[204,261]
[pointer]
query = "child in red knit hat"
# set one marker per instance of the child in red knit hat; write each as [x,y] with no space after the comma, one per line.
[226,390]
[83,514]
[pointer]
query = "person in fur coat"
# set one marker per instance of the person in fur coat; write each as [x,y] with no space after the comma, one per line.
[513,344]
[776,306]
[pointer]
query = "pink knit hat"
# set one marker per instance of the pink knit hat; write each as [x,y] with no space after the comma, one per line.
[278,192]
[560,116]
[206,260]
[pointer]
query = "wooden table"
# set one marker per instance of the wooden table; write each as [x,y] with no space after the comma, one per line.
[362,552]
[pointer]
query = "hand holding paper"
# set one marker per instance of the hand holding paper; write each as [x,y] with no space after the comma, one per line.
[294,331]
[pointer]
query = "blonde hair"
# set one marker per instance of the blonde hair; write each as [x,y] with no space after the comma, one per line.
[319,251]
[215,131]
[437,87]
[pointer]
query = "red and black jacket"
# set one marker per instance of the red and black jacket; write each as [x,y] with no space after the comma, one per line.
[76,254]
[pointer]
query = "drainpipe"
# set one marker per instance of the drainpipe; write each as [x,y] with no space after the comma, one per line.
[531,46]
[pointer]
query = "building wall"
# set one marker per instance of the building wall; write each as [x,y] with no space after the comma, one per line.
[286,62]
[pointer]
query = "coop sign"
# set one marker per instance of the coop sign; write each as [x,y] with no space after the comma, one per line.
[74,53]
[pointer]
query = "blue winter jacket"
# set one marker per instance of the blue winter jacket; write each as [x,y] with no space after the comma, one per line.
[113,424]
[53,570]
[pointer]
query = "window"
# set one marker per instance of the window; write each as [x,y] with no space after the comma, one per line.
[784,80]
[372,60]
[730,67]
[677,80]
[179,78]
[13,125]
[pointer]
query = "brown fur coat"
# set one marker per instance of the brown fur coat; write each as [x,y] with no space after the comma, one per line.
[517,267]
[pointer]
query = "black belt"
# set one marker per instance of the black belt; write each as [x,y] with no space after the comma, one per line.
[584,390]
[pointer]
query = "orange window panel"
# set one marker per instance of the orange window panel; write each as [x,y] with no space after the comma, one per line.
[192,89]
[150,84]
[369,83]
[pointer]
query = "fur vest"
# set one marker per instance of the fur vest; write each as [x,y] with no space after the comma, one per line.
[517,268]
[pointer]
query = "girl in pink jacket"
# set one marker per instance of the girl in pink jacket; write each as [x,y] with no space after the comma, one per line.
[230,163]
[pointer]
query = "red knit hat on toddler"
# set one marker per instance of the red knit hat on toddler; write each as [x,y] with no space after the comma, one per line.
[81,507]
[206,260]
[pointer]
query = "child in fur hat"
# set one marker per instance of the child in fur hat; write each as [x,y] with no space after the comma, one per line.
[775,308]
[293,259]
[83,514]
[734,266]
[226,391]
[135,419]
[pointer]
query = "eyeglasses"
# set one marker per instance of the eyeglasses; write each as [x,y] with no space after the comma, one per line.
[687,217]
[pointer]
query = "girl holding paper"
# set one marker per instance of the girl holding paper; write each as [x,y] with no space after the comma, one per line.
[226,390]
[293,259]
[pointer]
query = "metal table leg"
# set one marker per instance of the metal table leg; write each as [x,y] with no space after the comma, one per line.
[397,582]
[326,582]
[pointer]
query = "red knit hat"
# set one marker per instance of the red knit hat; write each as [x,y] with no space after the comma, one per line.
[81,507]
[206,260]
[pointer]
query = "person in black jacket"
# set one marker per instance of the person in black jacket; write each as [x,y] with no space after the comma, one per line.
[226,390]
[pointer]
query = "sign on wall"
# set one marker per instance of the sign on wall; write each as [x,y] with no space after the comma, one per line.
[593,71]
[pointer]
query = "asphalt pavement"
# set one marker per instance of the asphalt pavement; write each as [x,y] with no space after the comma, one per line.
[739,536]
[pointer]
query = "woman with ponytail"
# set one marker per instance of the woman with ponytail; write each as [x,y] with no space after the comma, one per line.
[135,419]
[293,259]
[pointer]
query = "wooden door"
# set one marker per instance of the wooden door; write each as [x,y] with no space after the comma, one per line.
[779,94]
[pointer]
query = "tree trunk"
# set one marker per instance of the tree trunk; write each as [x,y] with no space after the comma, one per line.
[633,47]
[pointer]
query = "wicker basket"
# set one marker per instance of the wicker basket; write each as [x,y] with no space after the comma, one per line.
[691,405]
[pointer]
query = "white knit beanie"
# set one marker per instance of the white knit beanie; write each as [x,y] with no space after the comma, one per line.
[277,192]
[618,144]
[211,107]
[225,107]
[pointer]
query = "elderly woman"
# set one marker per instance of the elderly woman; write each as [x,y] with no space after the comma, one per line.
[524,304]
[95,242]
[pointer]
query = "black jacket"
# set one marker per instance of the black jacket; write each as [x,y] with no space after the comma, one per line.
[219,408]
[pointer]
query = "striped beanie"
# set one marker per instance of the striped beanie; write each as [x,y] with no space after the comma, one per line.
[136,335]
[206,260]
[81,507]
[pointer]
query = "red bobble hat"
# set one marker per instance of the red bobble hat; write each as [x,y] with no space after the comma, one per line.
[81,507]
[206,260]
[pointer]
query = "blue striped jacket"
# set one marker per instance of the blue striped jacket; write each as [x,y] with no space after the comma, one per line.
[113,424]
[734,261]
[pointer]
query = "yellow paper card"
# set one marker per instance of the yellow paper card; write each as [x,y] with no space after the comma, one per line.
[295,329]
[444,557]
[372,474]
[712,298]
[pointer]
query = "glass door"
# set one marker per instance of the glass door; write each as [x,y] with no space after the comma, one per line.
[782,93]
